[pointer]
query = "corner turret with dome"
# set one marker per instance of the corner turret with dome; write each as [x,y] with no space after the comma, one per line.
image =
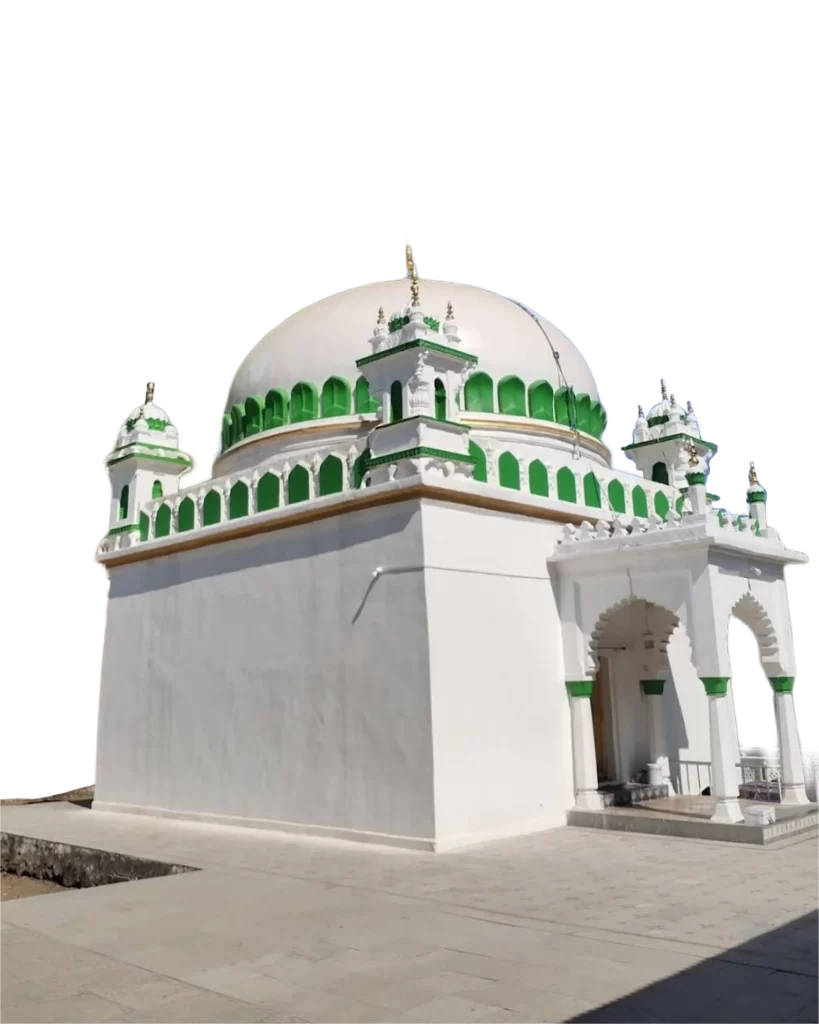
[383,614]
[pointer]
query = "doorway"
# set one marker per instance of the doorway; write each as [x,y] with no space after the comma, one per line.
[601,723]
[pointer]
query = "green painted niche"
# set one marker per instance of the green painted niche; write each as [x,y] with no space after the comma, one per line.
[542,401]
[396,402]
[298,485]
[331,476]
[303,402]
[595,420]
[538,478]
[566,485]
[638,502]
[566,407]
[187,511]
[440,399]
[659,473]
[679,504]
[591,491]
[512,396]
[156,489]
[237,422]
[254,415]
[162,525]
[479,455]
[212,508]
[478,393]
[123,502]
[584,413]
[617,496]
[268,492]
[509,471]
[144,526]
[238,500]
[335,397]
[226,432]
[276,405]
[360,468]
[364,401]
[661,505]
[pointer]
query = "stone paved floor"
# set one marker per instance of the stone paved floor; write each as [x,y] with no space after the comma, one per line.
[569,924]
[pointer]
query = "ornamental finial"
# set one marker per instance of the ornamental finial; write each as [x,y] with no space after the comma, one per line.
[149,392]
[449,314]
[690,407]
[640,413]
[672,401]
[693,455]
[753,480]
[412,274]
[380,319]
[663,390]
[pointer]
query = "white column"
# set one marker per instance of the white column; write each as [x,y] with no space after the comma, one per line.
[790,749]
[584,759]
[723,769]
[657,749]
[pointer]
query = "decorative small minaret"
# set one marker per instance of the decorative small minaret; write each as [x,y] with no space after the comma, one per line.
[692,425]
[417,371]
[146,464]
[640,433]
[757,503]
[695,478]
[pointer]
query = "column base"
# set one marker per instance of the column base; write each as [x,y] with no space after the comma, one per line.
[589,800]
[728,811]
[794,794]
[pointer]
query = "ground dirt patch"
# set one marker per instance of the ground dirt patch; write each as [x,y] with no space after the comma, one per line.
[17,887]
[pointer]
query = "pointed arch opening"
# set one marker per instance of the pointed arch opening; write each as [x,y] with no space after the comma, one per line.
[331,476]
[538,478]
[187,513]
[162,523]
[303,402]
[639,502]
[566,485]
[659,473]
[591,491]
[478,393]
[509,471]
[661,505]
[584,413]
[396,402]
[364,401]
[617,496]
[254,415]
[238,500]
[542,401]
[298,485]
[440,399]
[212,508]
[156,489]
[512,396]
[276,406]
[479,468]
[335,397]
[268,492]
[124,497]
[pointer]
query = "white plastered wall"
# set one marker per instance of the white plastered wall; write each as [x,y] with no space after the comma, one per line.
[500,715]
[268,679]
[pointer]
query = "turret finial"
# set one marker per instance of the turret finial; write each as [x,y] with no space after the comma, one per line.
[753,480]
[672,401]
[690,407]
[663,390]
[449,314]
[380,319]
[640,413]
[149,392]
[412,274]
[693,455]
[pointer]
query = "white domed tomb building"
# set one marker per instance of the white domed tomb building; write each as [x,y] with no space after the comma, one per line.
[415,604]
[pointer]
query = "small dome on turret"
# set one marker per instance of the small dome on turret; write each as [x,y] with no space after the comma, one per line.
[692,424]
[640,432]
[658,413]
[676,415]
[756,492]
[148,419]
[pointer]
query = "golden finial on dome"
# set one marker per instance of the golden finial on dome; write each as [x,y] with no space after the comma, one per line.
[449,314]
[412,273]
[753,480]
[149,392]
[693,455]
[663,390]
[380,319]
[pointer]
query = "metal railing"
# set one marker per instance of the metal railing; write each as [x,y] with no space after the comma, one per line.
[759,777]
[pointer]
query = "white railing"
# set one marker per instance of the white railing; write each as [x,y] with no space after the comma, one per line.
[690,777]
[761,777]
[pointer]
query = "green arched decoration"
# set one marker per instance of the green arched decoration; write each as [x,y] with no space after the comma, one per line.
[335,397]
[238,502]
[212,508]
[479,455]
[360,468]
[638,502]
[679,504]
[595,422]
[276,404]
[303,402]
[509,471]
[617,496]
[440,399]
[268,492]
[604,418]
[226,438]
[144,526]
[331,476]
[478,393]
[565,407]
[254,414]
[659,473]
[566,484]
[187,511]
[661,505]
[538,478]
[584,413]
[396,402]
[237,422]
[512,396]
[542,401]
[123,502]
[162,525]
[591,491]
[156,489]
[364,401]
[298,485]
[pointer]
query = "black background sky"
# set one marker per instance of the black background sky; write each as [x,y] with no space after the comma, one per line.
[177,280]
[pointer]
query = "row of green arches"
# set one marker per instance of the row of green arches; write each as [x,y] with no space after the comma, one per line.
[509,475]
[511,397]
[216,507]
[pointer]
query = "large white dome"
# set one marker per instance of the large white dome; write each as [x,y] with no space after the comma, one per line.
[325,339]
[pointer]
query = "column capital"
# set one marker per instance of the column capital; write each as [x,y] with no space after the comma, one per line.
[782,684]
[715,686]
[652,687]
[579,687]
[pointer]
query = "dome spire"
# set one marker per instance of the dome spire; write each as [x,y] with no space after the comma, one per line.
[149,392]
[663,391]
[412,274]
